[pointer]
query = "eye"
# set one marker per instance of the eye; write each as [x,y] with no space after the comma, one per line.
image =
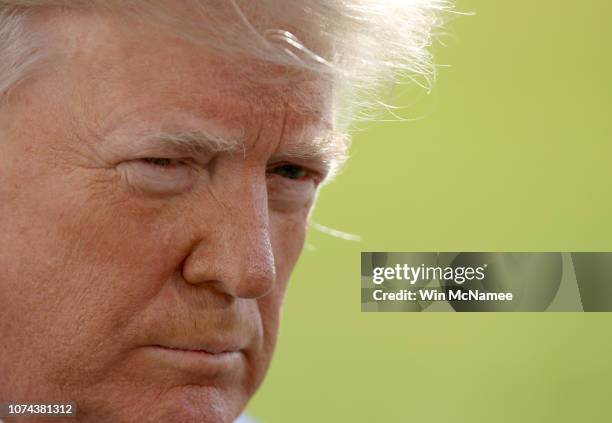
[160,175]
[161,161]
[289,171]
[291,187]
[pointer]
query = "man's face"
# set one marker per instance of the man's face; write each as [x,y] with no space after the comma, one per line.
[143,267]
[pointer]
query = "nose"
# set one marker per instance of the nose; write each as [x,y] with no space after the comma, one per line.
[234,252]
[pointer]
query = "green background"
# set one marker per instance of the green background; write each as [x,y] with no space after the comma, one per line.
[510,152]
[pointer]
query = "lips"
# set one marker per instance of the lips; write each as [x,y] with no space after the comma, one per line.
[199,346]
[211,349]
[196,361]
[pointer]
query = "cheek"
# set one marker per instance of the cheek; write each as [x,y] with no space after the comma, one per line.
[80,263]
[288,234]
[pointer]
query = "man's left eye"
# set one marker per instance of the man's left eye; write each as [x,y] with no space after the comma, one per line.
[294,172]
[161,161]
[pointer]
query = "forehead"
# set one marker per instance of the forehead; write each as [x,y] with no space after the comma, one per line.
[131,68]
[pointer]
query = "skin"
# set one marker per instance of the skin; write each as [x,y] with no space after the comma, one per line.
[110,259]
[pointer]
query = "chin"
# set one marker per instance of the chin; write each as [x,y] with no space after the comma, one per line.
[179,404]
[202,404]
[197,404]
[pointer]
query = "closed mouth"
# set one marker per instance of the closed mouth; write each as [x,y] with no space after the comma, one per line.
[202,350]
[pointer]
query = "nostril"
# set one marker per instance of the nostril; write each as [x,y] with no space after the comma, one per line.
[256,284]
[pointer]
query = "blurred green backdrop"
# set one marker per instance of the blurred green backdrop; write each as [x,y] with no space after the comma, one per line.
[510,152]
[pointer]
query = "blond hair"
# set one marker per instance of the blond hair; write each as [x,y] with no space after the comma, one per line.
[361,44]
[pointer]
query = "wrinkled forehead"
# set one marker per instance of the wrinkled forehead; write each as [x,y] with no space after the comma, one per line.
[132,69]
[144,56]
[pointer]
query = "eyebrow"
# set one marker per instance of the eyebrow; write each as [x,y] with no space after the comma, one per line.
[193,141]
[328,150]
